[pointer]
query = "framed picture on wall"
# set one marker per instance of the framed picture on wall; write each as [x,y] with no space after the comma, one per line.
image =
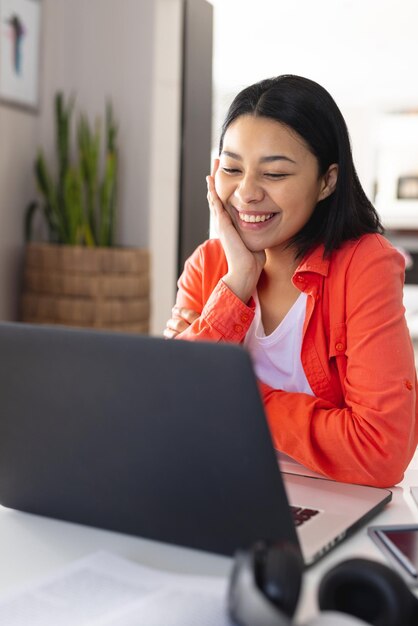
[20,22]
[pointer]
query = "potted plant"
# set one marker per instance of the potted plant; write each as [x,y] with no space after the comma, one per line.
[80,277]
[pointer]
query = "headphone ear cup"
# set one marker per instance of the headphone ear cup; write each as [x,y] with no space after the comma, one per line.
[259,570]
[370,591]
[281,578]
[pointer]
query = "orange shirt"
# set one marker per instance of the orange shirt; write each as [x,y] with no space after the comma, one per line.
[361,425]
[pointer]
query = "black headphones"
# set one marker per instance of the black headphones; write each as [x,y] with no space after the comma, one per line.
[266,580]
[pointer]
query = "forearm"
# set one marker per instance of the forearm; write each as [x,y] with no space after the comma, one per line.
[224,317]
[360,444]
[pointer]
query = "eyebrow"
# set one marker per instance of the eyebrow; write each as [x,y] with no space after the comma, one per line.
[266,159]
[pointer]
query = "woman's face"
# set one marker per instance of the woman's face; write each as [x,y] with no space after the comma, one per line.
[268,181]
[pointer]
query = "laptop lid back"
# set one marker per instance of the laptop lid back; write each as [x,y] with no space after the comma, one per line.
[163,439]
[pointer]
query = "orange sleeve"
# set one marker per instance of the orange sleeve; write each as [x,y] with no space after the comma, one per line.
[223,316]
[372,438]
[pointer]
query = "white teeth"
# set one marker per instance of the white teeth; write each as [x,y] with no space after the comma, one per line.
[255,218]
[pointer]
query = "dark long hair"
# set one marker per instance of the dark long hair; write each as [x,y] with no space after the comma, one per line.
[307,108]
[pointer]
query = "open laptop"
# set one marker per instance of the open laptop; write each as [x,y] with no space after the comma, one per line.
[163,439]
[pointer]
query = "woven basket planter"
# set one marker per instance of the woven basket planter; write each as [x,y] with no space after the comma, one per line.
[105,288]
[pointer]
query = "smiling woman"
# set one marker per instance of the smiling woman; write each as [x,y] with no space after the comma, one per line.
[302,276]
[270,197]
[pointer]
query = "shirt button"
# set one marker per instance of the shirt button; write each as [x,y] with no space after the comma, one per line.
[244,317]
[238,328]
[339,347]
[408,385]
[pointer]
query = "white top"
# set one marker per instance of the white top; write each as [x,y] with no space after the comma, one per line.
[276,358]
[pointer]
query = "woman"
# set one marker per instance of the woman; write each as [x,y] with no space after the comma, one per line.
[302,275]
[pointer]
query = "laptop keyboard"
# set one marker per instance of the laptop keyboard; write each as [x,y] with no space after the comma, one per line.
[301,515]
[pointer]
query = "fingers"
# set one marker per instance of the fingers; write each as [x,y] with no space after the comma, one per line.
[174,326]
[180,321]
[215,167]
[169,334]
[215,203]
[213,198]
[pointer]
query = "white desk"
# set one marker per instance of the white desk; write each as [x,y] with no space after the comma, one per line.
[32,546]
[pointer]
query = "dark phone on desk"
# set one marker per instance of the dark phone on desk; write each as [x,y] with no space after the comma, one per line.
[399,543]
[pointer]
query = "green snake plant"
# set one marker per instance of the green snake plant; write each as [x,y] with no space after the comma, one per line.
[79,200]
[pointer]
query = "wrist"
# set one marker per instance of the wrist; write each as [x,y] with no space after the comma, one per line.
[240,287]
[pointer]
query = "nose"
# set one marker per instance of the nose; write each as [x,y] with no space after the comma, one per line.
[248,190]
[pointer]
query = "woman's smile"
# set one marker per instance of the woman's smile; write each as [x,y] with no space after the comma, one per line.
[254,219]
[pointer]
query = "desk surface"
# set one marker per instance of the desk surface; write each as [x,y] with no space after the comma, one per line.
[33,546]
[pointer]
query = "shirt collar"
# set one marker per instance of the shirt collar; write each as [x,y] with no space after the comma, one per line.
[314,262]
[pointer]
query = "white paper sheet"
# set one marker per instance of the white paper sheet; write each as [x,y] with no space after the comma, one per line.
[107,590]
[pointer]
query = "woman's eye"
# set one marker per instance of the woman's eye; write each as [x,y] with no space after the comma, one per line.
[233,170]
[229,170]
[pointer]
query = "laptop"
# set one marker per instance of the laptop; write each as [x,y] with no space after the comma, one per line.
[158,438]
